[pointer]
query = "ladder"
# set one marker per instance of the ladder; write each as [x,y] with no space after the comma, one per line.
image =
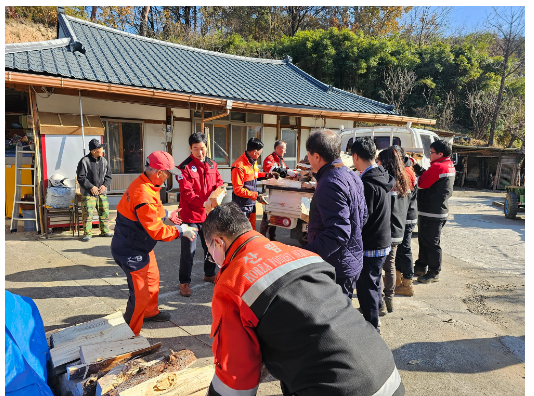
[15,217]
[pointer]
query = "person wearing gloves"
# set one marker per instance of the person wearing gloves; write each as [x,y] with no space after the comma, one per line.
[245,176]
[324,347]
[140,225]
[275,163]
[198,177]
[376,232]
[337,211]
[403,259]
[434,188]
[94,177]
[400,199]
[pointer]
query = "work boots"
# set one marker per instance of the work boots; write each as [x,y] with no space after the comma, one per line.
[382,311]
[419,270]
[389,303]
[185,290]
[398,278]
[405,288]
[429,277]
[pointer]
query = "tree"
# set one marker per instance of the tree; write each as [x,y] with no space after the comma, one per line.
[398,85]
[510,30]
[377,21]
[93,13]
[144,21]
[426,23]
[481,104]
[512,117]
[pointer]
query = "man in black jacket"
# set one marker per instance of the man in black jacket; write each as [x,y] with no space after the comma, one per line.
[94,177]
[376,233]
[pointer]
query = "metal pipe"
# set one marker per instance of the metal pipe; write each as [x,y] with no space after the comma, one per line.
[81,118]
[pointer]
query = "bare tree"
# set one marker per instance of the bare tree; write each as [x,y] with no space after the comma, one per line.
[446,117]
[425,23]
[93,13]
[510,29]
[481,105]
[398,85]
[144,21]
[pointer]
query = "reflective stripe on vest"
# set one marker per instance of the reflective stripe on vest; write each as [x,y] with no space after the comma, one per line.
[391,385]
[437,216]
[224,390]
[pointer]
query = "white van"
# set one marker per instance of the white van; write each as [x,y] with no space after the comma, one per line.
[410,139]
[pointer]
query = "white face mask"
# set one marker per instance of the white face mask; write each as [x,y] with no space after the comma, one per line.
[219,257]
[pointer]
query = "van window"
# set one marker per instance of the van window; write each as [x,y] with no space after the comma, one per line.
[382,142]
[425,139]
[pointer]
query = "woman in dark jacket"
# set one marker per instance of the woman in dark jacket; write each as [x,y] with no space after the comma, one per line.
[393,163]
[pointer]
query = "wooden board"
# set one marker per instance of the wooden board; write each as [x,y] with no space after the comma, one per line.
[82,370]
[95,352]
[69,351]
[182,383]
[96,325]
[108,381]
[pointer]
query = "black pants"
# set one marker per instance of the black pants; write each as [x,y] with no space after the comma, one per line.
[264,226]
[429,237]
[188,253]
[368,288]
[347,285]
[404,259]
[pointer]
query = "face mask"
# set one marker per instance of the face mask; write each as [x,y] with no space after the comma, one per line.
[219,257]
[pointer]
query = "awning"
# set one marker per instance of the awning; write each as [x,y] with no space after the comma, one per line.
[70,124]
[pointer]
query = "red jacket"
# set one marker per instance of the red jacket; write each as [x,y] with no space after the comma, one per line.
[273,160]
[435,187]
[197,181]
[279,305]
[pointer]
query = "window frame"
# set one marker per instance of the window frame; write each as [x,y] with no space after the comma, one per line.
[120,121]
[286,159]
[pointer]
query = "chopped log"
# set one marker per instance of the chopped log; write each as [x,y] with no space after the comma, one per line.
[69,351]
[83,329]
[102,351]
[182,383]
[110,380]
[82,370]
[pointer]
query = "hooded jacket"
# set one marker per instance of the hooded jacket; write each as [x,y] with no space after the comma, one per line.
[376,232]
[93,172]
[337,214]
[399,210]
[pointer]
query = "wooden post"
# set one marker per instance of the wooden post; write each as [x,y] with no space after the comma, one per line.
[497,174]
[278,131]
[38,159]
[202,120]
[168,117]
[464,173]
[299,136]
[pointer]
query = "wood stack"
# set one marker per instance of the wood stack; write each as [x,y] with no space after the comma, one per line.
[103,357]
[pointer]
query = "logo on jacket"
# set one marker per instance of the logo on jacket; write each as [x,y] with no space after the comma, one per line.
[194,168]
[180,177]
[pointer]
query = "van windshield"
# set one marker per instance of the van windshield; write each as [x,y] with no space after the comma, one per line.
[381,142]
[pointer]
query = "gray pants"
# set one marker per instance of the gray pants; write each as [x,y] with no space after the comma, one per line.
[390,270]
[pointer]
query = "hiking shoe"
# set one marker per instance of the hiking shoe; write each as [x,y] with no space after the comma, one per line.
[398,278]
[389,303]
[86,239]
[429,277]
[418,270]
[405,288]
[107,234]
[382,311]
[210,279]
[161,317]
[185,290]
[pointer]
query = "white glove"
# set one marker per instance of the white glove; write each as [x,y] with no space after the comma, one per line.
[290,173]
[189,232]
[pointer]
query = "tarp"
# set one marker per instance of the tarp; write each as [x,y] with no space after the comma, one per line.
[26,350]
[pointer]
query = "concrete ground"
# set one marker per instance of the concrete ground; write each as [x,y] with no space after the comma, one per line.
[462,336]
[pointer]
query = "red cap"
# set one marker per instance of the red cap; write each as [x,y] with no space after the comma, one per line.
[161,160]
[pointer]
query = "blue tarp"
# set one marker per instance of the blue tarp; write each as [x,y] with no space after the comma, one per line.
[26,348]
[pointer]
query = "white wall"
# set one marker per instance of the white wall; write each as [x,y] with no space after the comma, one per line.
[154,138]
[269,137]
[269,119]
[104,108]
[180,141]
[63,152]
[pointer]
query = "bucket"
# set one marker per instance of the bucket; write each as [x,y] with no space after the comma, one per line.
[29,225]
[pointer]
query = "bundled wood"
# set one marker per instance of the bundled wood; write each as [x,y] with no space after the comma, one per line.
[182,383]
[80,371]
[102,351]
[79,331]
[215,198]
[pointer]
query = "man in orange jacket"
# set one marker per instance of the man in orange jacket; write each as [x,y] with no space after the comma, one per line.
[139,226]
[245,176]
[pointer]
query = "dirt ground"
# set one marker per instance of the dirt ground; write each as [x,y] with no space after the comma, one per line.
[464,335]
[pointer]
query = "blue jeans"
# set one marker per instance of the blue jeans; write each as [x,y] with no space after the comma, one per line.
[188,253]
[347,285]
[368,288]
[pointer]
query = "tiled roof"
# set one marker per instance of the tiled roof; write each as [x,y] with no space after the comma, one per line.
[116,57]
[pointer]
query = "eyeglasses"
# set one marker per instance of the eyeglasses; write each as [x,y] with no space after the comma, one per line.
[432,152]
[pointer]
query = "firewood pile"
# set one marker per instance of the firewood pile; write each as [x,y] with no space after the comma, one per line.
[103,357]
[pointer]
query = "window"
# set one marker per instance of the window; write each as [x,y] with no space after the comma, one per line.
[221,144]
[254,117]
[290,137]
[237,117]
[288,120]
[382,142]
[125,146]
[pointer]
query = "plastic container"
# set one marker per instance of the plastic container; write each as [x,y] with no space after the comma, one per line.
[29,225]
